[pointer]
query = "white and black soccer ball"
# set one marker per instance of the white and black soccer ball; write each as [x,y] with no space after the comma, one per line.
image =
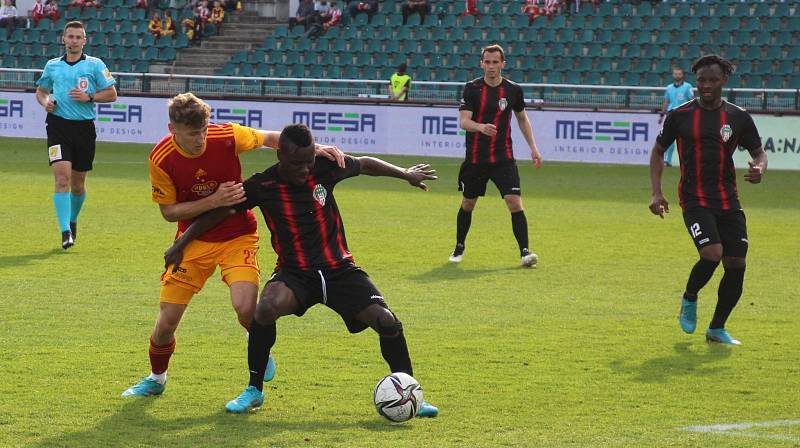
[398,397]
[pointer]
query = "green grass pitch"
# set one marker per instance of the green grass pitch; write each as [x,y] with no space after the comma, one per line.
[583,351]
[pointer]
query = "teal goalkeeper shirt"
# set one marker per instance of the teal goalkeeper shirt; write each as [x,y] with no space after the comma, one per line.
[89,74]
[678,95]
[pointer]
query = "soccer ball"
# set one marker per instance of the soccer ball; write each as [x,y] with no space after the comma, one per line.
[398,397]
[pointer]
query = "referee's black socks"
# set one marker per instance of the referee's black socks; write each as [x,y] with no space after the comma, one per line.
[702,272]
[259,344]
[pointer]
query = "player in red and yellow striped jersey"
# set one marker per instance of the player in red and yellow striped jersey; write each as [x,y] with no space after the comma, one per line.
[195,169]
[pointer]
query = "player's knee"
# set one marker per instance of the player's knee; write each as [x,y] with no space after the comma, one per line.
[244,310]
[62,182]
[468,204]
[388,325]
[712,252]
[737,263]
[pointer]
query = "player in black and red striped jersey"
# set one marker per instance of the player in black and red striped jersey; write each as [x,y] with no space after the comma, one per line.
[707,131]
[485,113]
[314,264]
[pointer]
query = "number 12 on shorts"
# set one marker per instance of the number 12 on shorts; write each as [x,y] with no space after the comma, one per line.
[695,230]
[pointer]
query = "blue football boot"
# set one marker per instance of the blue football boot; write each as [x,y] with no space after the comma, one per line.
[248,400]
[688,316]
[721,336]
[427,410]
[269,372]
[144,388]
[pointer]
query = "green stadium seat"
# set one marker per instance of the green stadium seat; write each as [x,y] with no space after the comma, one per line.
[167,54]
[281,31]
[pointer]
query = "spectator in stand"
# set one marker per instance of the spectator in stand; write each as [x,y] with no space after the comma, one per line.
[321,7]
[551,8]
[471,8]
[368,6]
[400,84]
[326,21]
[303,16]
[217,16]
[37,13]
[155,27]
[532,9]
[168,24]
[141,4]
[189,28]
[83,4]
[51,10]
[421,7]
[204,14]
[8,16]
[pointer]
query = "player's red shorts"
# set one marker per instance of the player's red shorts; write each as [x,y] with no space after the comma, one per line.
[236,259]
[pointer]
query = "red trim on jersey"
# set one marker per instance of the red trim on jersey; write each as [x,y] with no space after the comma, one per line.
[292,225]
[495,121]
[477,135]
[681,159]
[340,238]
[720,182]
[698,155]
[509,150]
[276,242]
[323,230]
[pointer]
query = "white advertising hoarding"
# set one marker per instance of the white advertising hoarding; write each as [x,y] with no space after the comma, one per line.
[592,137]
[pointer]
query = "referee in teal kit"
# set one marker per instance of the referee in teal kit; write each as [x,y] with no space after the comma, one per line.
[68,89]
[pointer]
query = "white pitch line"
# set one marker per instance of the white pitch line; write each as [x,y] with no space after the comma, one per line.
[740,429]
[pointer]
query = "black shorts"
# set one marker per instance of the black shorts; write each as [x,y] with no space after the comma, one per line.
[347,291]
[472,178]
[708,226]
[71,141]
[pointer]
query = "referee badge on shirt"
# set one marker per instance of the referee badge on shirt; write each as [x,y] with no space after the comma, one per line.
[502,104]
[726,132]
[83,83]
[320,193]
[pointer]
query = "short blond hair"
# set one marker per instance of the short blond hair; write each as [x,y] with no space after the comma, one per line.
[189,110]
[494,48]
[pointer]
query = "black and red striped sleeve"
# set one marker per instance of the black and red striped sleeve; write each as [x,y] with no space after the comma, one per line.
[669,131]
[750,139]
[469,99]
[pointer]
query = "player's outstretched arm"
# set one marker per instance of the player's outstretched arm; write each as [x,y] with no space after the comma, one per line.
[658,204]
[205,222]
[757,166]
[415,175]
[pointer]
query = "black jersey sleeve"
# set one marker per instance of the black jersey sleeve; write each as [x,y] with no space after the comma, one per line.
[352,168]
[252,191]
[468,99]
[518,102]
[749,140]
[669,131]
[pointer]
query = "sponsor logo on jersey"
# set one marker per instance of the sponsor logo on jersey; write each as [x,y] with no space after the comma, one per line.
[205,188]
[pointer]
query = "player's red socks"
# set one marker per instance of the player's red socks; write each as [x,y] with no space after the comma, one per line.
[159,356]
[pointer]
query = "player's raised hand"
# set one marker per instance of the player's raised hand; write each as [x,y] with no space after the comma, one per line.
[659,205]
[229,193]
[331,153]
[754,173]
[419,173]
[173,256]
[488,129]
